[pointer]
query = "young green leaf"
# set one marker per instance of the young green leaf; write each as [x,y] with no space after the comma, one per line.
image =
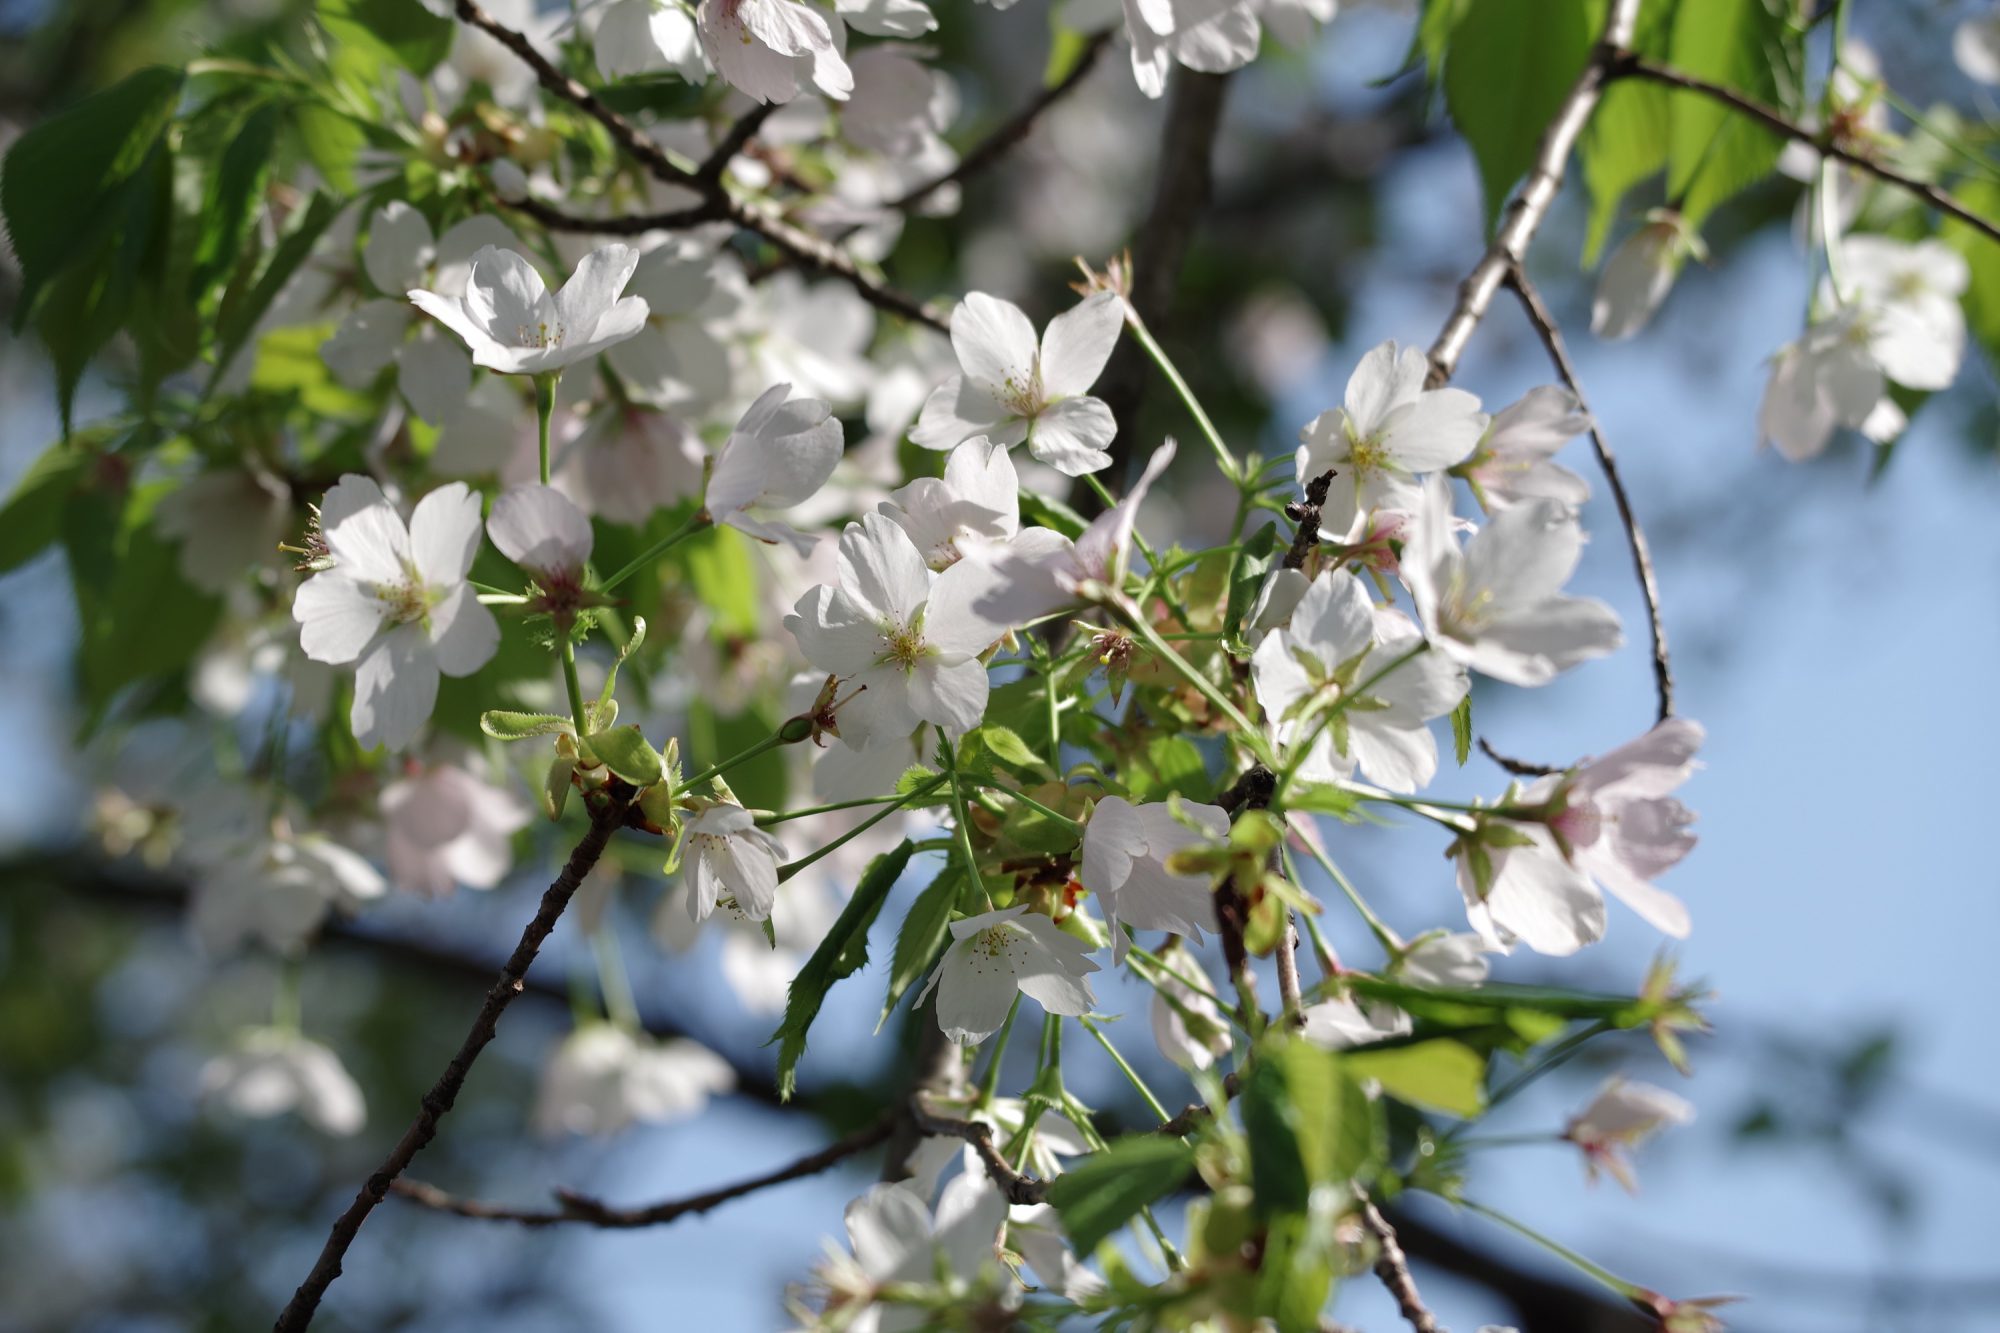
[1713,152]
[505,725]
[1442,1075]
[1102,1192]
[923,935]
[626,752]
[1461,730]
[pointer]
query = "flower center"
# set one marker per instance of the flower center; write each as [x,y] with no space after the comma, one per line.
[1025,399]
[903,645]
[542,335]
[407,601]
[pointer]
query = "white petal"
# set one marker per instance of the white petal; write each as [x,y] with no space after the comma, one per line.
[337,616]
[464,634]
[399,248]
[395,688]
[994,341]
[540,529]
[1071,435]
[1078,342]
[444,533]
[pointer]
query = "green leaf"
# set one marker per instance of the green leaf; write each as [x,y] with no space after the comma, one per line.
[840,954]
[1169,765]
[1509,67]
[248,298]
[923,935]
[1461,729]
[1251,567]
[1103,1191]
[1007,746]
[1295,1274]
[1626,138]
[31,520]
[1442,1075]
[1309,1125]
[718,564]
[1713,152]
[379,31]
[504,725]
[143,621]
[626,752]
[63,182]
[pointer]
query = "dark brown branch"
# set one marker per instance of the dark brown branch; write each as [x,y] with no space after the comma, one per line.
[1630,64]
[1018,1188]
[629,224]
[803,247]
[298,1313]
[1306,514]
[1015,128]
[1183,182]
[1520,768]
[574,1207]
[1195,1112]
[1393,1267]
[732,143]
[1531,204]
[1635,536]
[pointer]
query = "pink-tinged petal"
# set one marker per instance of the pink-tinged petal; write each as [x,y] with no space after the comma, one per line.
[337,616]
[995,343]
[1078,342]
[540,529]
[1652,765]
[444,534]
[464,635]
[1071,436]
[395,688]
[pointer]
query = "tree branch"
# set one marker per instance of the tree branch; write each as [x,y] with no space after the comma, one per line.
[1018,1188]
[1393,1267]
[1635,536]
[1015,128]
[574,1207]
[803,247]
[1530,207]
[1630,64]
[298,1313]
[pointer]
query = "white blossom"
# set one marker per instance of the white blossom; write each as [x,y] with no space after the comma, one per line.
[272,886]
[729,859]
[445,826]
[1636,279]
[1975,45]
[1515,460]
[396,603]
[514,326]
[604,1078]
[897,1242]
[976,503]
[1622,1116]
[270,1071]
[1010,389]
[1187,1026]
[647,37]
[780,454]
[767,48]
[995,955]
[1125,852]
[227,522]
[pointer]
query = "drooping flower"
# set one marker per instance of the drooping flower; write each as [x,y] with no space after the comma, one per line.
[975,503]
[271,1070]
[273,886]
[604,1078]
[1126,848]
[647,37]
[1621,1117]
[909,639]
[1381,676]
[514,326]
[1389,429]
[1344,1020]
[1010,389]
[1187,1026]
[1515,460]
[1636,279]
[445,826]
[780,454]
[767,48]
[898,1244]
[730,859]
[396,603]
[1497,605]
[996,955]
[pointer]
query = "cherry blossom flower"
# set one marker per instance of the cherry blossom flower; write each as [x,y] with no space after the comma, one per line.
[767,48]
[1515,459]
[780,454]
[604,1078]
[1344,1021]
[1378,672]
[396,603]
[647,37]
[997,954]
[976,502]
[1442,959]
[445,826]
[1051,1140]
[898,1243]
[731,860]
[1636,279]
[1010,389]
[272,886]
[1389,429]
[1526,891]
[907,638]
[227,522]
[514,326]
[1187,1026]
[675,360]
[1496,605]
[271,1070]
[629,463]
[1125,852]
[1621,1117]
[1975,45]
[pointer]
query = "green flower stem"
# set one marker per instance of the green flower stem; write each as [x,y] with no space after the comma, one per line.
[963,835]
[1383,935]
[1508,1141]
[1030,802]
[989,1083]
[545,406]
[570,683]
[792,868]
[1166,969]
[613,981]
[770,742]
[1247,735]
[1301,751]
[1146,340]
[285,1004]
[1557,1055]
[1631,1291]
[1155,572]
[696,523]
[785,816]
[1080,1117]
[1153,1103]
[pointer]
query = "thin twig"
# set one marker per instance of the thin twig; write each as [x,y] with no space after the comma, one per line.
[1015,128]
[1393,1267]
[1635,536]
[1525,215]
[1195,1112]
[804,247]
[1520,768]
[1018,1188]
[583,1209]
[629,224]
[732,143]
[1630,64]
[298,1313]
